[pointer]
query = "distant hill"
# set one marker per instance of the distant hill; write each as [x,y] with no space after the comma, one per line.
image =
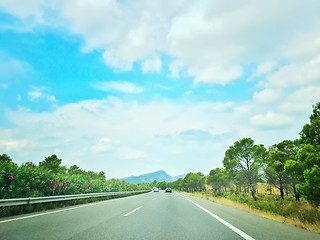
[159,176]
[178,176]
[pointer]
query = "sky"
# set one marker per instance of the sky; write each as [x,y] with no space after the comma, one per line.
[131,87]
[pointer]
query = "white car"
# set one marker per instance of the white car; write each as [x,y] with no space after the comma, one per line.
[155,189]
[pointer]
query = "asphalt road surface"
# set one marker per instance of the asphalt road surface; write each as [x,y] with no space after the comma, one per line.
[148,216]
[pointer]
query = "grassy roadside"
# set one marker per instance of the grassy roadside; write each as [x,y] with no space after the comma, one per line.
[300,215]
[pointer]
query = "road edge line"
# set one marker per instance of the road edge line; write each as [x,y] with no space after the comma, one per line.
[233,228]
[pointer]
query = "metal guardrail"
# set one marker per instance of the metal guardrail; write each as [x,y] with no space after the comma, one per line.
[25,201]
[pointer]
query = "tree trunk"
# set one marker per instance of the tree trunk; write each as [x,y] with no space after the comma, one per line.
[296,194]
[253,191]
[253,195]
[281,193]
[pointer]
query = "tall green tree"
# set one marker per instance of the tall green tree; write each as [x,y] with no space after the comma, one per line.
[53,163]
[102,175]
[245,157]
[5,158]
[310,133]
[218,179]
[278,155]
[74,169]
[194,182]
[306,166]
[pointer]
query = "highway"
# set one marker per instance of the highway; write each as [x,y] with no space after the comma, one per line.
[148,216]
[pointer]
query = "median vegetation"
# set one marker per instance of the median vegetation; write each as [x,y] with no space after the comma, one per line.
[282,180]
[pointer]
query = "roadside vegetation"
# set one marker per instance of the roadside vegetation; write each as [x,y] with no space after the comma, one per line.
[281,182]
[50,178]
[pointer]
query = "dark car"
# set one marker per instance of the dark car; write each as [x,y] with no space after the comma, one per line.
[168,190]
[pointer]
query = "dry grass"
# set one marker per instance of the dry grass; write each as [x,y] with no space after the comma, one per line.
[287,220]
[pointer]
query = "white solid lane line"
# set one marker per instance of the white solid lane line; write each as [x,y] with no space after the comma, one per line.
[233,228]
[132,211]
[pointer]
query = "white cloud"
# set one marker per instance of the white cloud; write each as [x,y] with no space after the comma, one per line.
[271,120]
[38,94]
[23,10]
[152,65]
[7,145]
[212,42]
[263,69]
[125,87]
[133,154]
[13,68]
[143,136]
[267,95]
[104,144]
[220,74]
[295,74]
[209,41]
[301,100]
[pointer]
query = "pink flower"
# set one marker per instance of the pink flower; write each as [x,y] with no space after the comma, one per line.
[11,177]
[35,174]
[62,187]
[3,171]
[50,182]
[30,168]
[29,189]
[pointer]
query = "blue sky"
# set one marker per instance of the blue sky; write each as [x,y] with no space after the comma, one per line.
[134,87]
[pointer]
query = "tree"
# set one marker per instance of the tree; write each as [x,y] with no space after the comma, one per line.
[52,163]
[5,158]
[278,155]
[194,182]
[102,175]
[217,179]
[245,157]
[74,169]
[306,166]
[310,133]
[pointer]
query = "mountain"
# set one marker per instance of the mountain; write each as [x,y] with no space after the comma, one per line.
[178,176]
[159,176]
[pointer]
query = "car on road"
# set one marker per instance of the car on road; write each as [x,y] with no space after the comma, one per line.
[168,190]
[155,189]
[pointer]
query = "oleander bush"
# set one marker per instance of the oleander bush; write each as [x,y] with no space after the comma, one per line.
[29,180]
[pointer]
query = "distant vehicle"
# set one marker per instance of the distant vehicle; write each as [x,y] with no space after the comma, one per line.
[155,189]
[168,190]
